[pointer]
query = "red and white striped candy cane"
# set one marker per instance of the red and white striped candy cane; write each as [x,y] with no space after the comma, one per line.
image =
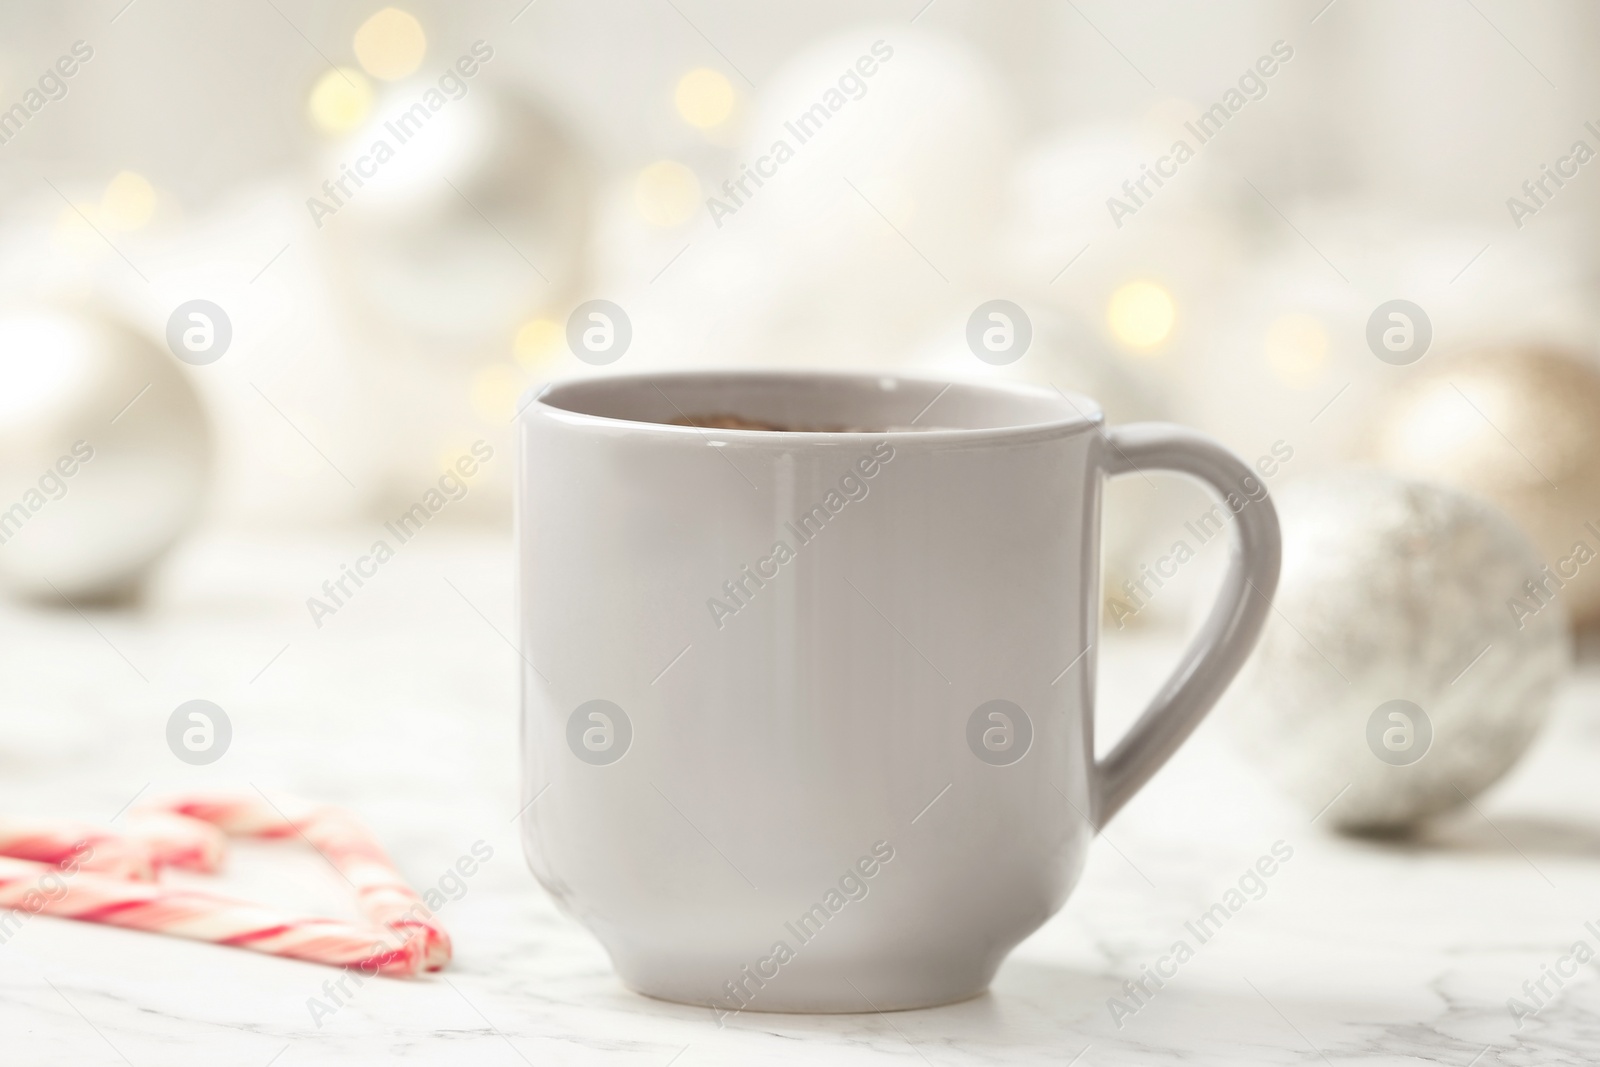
[62,843]
[382,893]
[40,889]
[176,840]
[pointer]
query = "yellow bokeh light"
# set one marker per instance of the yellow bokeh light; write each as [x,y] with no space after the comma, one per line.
[704,98]
[128,202]
[1141,315]
[495,389]
[1296,348]
[536,341]
[666,193]
[390,44]
[340,101]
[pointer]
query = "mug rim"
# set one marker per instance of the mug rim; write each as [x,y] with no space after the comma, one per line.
[1077,412]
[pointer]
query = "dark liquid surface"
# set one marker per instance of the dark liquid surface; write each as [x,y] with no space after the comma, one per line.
[739,422]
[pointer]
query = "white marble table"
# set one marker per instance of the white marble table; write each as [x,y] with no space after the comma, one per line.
[402,705]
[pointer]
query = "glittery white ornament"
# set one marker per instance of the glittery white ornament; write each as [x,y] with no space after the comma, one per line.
[104,455]
[1393,681]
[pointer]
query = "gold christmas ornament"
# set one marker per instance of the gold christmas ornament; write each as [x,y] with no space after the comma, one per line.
[1518,425]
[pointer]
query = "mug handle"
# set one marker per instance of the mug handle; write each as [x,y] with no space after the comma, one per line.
[1230,631]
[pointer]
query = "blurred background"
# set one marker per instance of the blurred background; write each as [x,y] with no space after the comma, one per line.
[278,272]
[376,331]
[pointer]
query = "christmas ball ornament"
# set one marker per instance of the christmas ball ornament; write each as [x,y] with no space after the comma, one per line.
[469,219]
[913,128]
[1520,426]
[1393,681]
[882,210]
[104,455]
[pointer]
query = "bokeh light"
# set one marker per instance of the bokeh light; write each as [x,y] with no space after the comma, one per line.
[704,98]
[666,193]
[340,101]
[1141,315]
[1296,348]
[537,341]
[128,202]
[495,389]
[391,44]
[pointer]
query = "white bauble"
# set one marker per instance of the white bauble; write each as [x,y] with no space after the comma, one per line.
[104,455]
[1395,590]
[858,245]
[467,227]
[921,146]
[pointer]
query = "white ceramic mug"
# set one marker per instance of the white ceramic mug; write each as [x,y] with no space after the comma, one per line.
[808,716]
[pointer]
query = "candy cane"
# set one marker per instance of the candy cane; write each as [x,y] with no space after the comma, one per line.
[382,893]
[41,889]
[176,840]
[61,843]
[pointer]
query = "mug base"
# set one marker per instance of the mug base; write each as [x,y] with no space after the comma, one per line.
[872,990]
